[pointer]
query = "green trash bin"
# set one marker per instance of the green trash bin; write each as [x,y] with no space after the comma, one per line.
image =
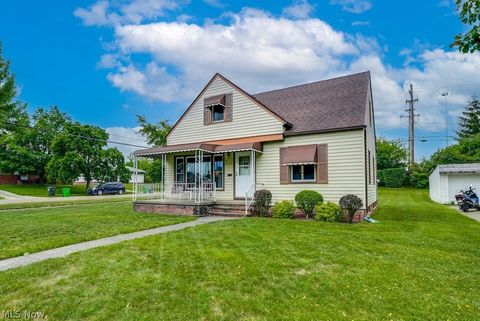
[66,192]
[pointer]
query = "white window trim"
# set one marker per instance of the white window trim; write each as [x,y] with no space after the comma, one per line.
[302,174]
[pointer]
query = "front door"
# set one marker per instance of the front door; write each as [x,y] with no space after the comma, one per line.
[244,175]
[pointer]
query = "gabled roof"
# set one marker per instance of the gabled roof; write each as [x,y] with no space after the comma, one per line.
[338,103]
[327,105]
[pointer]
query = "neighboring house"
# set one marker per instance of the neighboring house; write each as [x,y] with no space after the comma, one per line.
[81,180]
[228,143]
[446,180]
[17,178]
[138,175]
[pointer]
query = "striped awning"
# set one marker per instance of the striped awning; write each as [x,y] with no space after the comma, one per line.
[209,148]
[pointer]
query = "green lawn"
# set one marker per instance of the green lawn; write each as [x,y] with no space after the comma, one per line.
[422,262]
[64,202]
[41,190]
[33,230]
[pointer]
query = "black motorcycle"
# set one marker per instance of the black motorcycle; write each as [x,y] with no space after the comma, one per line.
[467,200]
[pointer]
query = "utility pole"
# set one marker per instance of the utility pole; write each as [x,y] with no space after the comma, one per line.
[411,127]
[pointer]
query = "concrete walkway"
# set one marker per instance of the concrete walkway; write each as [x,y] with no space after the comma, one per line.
[472,214]
[79,247]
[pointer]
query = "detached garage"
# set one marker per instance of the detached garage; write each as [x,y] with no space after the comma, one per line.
[446,180]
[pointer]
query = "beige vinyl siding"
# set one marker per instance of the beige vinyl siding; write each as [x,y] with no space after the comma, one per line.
[370,138]
[249,119]
[346,173]
[225,195]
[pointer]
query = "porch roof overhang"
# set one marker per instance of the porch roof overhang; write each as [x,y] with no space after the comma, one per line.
[205,147]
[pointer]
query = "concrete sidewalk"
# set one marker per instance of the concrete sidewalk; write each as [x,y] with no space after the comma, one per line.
[79,247]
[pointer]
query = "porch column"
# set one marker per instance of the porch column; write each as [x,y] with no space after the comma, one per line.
[135,183]
[164,172]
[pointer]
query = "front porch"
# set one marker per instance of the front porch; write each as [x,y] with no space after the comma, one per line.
[200,179]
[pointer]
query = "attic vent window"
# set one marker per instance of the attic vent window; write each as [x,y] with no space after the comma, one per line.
[218,113]
[218,109]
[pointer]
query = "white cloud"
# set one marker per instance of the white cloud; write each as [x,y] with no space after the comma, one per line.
[300,9]
[128,135]
[286,51]
[361,23]
[214,3]
[353,6]
[260,51]
[104,12]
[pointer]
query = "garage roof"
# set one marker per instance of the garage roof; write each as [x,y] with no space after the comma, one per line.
[459,168]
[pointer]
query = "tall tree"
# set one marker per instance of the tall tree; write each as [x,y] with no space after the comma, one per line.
[469,123]
[81,149]
[469,11]
[390,154]
[29,148]
[13,119]
[156,134]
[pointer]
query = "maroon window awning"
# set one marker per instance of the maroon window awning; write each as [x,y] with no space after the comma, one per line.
[215,100]
[300,155]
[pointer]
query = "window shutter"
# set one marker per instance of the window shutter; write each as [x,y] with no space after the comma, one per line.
[207,114]
[284,177]
[322,164]
[228,114]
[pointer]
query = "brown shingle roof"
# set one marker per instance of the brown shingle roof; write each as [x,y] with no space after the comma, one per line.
[321,106]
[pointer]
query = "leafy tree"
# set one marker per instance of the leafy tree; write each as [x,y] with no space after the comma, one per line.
[112,166]
[81,149]
[390,154]
[13,119]
[12,112]
[469,11]
[469,123]
[29,149]
[156,134]
[466,151]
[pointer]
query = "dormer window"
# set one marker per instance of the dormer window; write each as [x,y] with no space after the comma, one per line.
[217,109]
[218,112]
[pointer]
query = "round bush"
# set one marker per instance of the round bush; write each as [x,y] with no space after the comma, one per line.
[328,212]
[263,198]
[307,200]
[351,204]
[283,209]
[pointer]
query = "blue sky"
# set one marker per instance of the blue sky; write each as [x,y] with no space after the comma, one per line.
[105,61]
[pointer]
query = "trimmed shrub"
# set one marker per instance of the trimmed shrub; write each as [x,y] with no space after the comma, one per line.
[329,212]
[263,199]
[392,177]
[283,209]
[350,204]
[307,200]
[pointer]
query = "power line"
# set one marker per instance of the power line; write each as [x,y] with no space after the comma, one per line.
[86,137]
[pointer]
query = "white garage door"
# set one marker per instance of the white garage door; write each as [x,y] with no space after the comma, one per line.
[462,181]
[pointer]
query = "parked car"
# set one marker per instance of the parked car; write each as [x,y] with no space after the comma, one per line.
[107,188]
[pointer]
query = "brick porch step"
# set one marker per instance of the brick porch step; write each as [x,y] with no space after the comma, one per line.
[227,210]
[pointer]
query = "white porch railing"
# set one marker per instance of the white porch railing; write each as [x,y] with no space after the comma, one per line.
[250,196]
[177,192]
